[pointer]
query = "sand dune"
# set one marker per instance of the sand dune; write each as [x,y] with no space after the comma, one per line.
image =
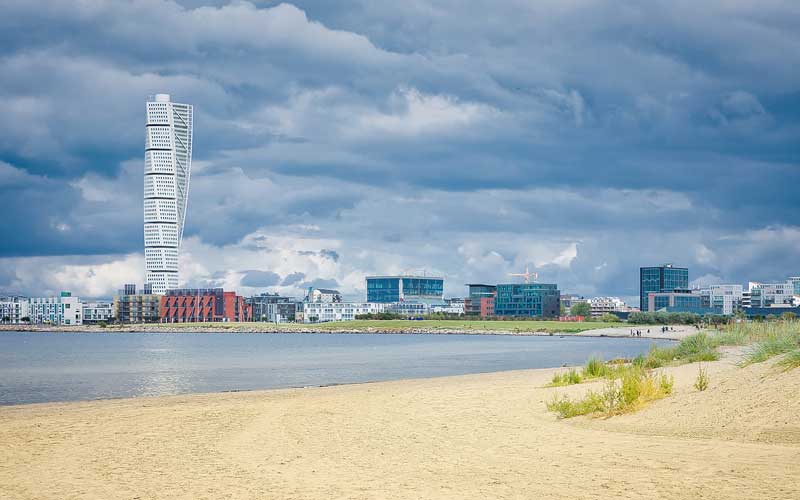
[477,436]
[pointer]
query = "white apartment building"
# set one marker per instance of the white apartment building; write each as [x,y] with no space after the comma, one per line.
[770,294]
[167,169]
[726,297]
[323,295]
[322,312]
[605,305]
[63,310]
[13,310]
[96,312]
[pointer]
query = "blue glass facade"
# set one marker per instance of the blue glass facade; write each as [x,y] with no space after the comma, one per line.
[661,279]
[387,289]
[538,300]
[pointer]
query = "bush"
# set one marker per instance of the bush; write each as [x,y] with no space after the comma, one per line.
[637,388]
[791,360]
[609,318]
[701,382]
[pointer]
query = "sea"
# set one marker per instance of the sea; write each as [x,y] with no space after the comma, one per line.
[51,367]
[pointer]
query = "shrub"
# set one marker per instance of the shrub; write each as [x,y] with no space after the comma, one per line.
[594,368]
[701,382]
[609,318]
[637,388]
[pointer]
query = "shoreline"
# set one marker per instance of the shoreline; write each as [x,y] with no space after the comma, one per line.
[680,331]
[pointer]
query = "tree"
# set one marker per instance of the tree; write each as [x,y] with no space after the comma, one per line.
[581,309]
[25,319]
[610,318]
[6,319]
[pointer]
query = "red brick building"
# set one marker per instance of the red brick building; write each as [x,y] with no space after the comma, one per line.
[487,307]
[201,305]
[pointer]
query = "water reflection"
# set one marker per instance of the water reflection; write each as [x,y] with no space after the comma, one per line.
[61,367]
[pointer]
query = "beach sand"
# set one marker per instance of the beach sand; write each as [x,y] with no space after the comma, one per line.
[476,436]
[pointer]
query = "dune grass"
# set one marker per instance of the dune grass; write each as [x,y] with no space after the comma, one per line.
[790,361]
[636,388]
[594,369]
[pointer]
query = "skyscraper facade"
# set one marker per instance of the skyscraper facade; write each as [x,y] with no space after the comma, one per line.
[661,279]
[167,168]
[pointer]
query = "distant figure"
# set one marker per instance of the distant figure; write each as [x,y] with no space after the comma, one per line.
[648,331]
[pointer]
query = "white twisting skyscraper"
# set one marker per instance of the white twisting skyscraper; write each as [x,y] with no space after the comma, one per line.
[167,167]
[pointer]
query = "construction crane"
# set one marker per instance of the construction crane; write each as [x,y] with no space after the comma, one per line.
[529,276]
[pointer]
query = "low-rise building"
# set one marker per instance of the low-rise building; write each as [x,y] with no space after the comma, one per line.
[323,312]
[607,305]
[98,312]
[14,310]
[201,305]
[273,308]
[680,301]
[323,295]
[779,294]
[64,310]
[132,307]
[450,306]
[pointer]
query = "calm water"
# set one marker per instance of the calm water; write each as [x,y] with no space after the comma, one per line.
[43,367]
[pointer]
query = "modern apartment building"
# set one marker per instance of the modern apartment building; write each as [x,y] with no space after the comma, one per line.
[167,169]
[98,312]
[607,305]
[273,308]
[14,310]
[200,305]
[480,300]
[130,307]
[661,279]
[323,312]
[779,294]
[537,300]
[64,310]
[323,295]
[727,298]
[387,289]
[678,301]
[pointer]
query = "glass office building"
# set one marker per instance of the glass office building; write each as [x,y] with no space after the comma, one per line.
[536,300]
[388,289]
[478,292]
[666,278]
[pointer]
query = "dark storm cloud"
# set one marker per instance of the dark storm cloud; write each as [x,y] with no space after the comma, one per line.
[293,278]
[260,279]
[415,125]
[320,283]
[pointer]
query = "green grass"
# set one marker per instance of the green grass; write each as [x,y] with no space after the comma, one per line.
[636,388]
[790,361]
[554,327]
[594,369]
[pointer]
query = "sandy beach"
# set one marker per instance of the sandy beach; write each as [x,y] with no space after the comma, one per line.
[475,436]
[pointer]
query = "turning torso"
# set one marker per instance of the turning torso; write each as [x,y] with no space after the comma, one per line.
[167,167]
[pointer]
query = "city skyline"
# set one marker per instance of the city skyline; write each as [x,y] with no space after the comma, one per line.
[337,149]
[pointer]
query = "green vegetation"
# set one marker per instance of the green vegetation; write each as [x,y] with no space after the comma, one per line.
[593,369]
[581,309]
[636,388]
[701,382]
[609,318]
[790,361]
[570,377]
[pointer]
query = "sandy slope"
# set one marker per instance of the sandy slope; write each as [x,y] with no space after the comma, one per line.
[477,436]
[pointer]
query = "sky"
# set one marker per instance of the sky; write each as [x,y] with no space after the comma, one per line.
[334,140]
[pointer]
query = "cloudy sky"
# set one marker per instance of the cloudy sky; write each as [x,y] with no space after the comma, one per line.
[465,138]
